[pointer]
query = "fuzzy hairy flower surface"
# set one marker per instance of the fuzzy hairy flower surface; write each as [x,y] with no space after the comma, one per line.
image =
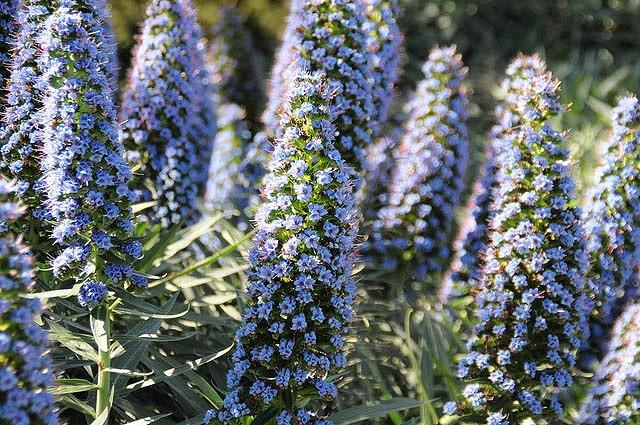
[25,365]
[300,288]
[413,225]
[614,397]
[232,57]
[612,219]
[8,28]
[161,111]
[383,42]
[533,304]
[85,175]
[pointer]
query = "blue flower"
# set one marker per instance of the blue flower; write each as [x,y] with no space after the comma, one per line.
[8,28]
[300,299]
[26,367]
[167,129]
[84,173]
[612,220]
[413,225]
[532,303]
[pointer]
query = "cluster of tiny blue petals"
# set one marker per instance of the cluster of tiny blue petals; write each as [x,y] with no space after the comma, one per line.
[85,174]
[161,112]
[532,305]
[612,219]
[412,228]
[384,46]
[25,369]
[330,35]
[614,397]
[8,29]
[300,288]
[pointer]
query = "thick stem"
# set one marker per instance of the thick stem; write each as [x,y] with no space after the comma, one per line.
[102,334]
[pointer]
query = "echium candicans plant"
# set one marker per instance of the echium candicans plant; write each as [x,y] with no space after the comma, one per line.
[466,268]
[612,219]
[84,172]
[161,112]
[300,288]
[25,365]
[614,397]
[8,29]
[330,34]
[533,304]
[383,42]
[234,69]
[412,227]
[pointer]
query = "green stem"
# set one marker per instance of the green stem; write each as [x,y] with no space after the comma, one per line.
[102,333]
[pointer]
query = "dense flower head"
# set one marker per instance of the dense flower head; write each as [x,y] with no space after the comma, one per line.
[300,290]
[110,46]
[8,28]
[163,125]
[330,35]
[412,227]
[532,305]
[612,218]
[234,69]
[383,42]
[20,132]
[25,369]
[614,397]
[85,174]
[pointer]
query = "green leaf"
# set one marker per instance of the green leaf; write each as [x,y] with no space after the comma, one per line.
[141,206]
[71,386]
[192,233]
[148,419]
[73,342]
[362,413]
[76,404]
[59,293]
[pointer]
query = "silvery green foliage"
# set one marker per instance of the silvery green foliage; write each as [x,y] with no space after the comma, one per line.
[85,175]
[614,397]
[232,58]
[161,111]
[8,28]
[533,304]
[383,42]
[612,219]
[25,366]
[300,288]
[412,227]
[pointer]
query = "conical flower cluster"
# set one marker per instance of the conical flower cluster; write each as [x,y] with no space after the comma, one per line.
[533,304]
[384,45]
[612,218]
[8,28]
[300,288]
[85,174]
[25,366]
[412,228]
[162,114]
[614,397]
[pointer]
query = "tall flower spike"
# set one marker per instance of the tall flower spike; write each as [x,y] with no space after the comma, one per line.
[532,305]
[235,72]
[25,369]
[300,286]
[161,111]
[110,45]
[412,228]
[8,28]
[612,219]
[20,132]
[85,174]
[384,44]
[614,396]
[466,268]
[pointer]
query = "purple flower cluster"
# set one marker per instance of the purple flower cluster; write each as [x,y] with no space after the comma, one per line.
[384,47]
[162,111]
[612,219]
[300,287]
[8,28]
[110,46]
[234,69]
[533,304]
[84,172]
[25,369]
[614,397]
[412,228]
